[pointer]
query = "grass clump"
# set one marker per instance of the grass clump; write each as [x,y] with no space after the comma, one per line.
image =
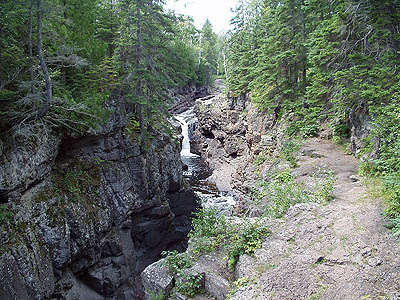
[260,159]
[325,187]
[385,186]
[281,192]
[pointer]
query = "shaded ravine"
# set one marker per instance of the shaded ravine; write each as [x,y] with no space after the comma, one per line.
[197,171]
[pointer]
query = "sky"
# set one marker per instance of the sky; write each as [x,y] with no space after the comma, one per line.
[217,11]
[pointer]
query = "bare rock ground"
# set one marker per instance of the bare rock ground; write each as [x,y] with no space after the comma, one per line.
[337,251]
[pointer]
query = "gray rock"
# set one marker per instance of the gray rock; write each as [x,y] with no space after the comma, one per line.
[12,286]
[89,241]
[157,280]
[354,178]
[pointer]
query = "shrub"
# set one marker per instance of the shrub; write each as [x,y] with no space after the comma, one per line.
[207,223]
[237,285]
[289,151]
[190,285]
[244,239]
[176,262]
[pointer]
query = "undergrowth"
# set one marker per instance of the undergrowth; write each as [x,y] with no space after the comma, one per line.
[281,192]
[289,152]
[210,232]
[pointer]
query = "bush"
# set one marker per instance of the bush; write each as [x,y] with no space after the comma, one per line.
[190,285]
[211,231]
[386,130]
[289,152]
[281,193]
[176,262]
[207,223]
[244,239]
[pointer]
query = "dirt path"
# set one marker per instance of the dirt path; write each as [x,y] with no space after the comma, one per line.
[338,251]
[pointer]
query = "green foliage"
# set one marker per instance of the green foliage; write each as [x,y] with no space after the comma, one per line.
[208,231]
[396,226]
[190,285]
[208,223]
[244,239]
[211,231]
[156,296]
[94,52]
[289,151]
[278,194]
[237,285]
[392,190]
[325,188]
[281,193]
[80,180]
[176,262]
[307,122]
[260,159]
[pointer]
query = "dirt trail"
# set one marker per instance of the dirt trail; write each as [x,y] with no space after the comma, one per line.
[338,251]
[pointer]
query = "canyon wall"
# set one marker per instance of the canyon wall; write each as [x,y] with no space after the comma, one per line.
[83,216]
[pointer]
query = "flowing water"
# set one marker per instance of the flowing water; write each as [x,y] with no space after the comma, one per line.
[198,171]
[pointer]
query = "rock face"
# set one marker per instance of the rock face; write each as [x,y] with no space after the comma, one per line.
[82,217]
[361,127]
[186,96]
[230,133]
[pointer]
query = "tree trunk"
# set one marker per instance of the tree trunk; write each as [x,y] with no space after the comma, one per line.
[225,68]
[46,106]
[304,58]
[139,87]
[30,49]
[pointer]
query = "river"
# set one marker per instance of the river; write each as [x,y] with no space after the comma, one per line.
[197,171]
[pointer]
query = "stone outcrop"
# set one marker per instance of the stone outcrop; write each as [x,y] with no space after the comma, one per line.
[186,96]
[212,269]
[230,133]
[81,217]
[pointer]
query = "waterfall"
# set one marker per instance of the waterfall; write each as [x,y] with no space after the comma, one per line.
[183,119]
[198,171]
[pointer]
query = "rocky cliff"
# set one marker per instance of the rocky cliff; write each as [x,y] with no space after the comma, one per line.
[327,237]
[81,217]
[230,134]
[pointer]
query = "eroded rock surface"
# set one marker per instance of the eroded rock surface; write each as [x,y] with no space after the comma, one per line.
[88,213]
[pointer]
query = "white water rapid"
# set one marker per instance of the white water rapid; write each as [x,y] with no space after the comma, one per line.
[183,118]
[197,172]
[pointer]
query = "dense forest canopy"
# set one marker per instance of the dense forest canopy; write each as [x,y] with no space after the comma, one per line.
[61,60]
